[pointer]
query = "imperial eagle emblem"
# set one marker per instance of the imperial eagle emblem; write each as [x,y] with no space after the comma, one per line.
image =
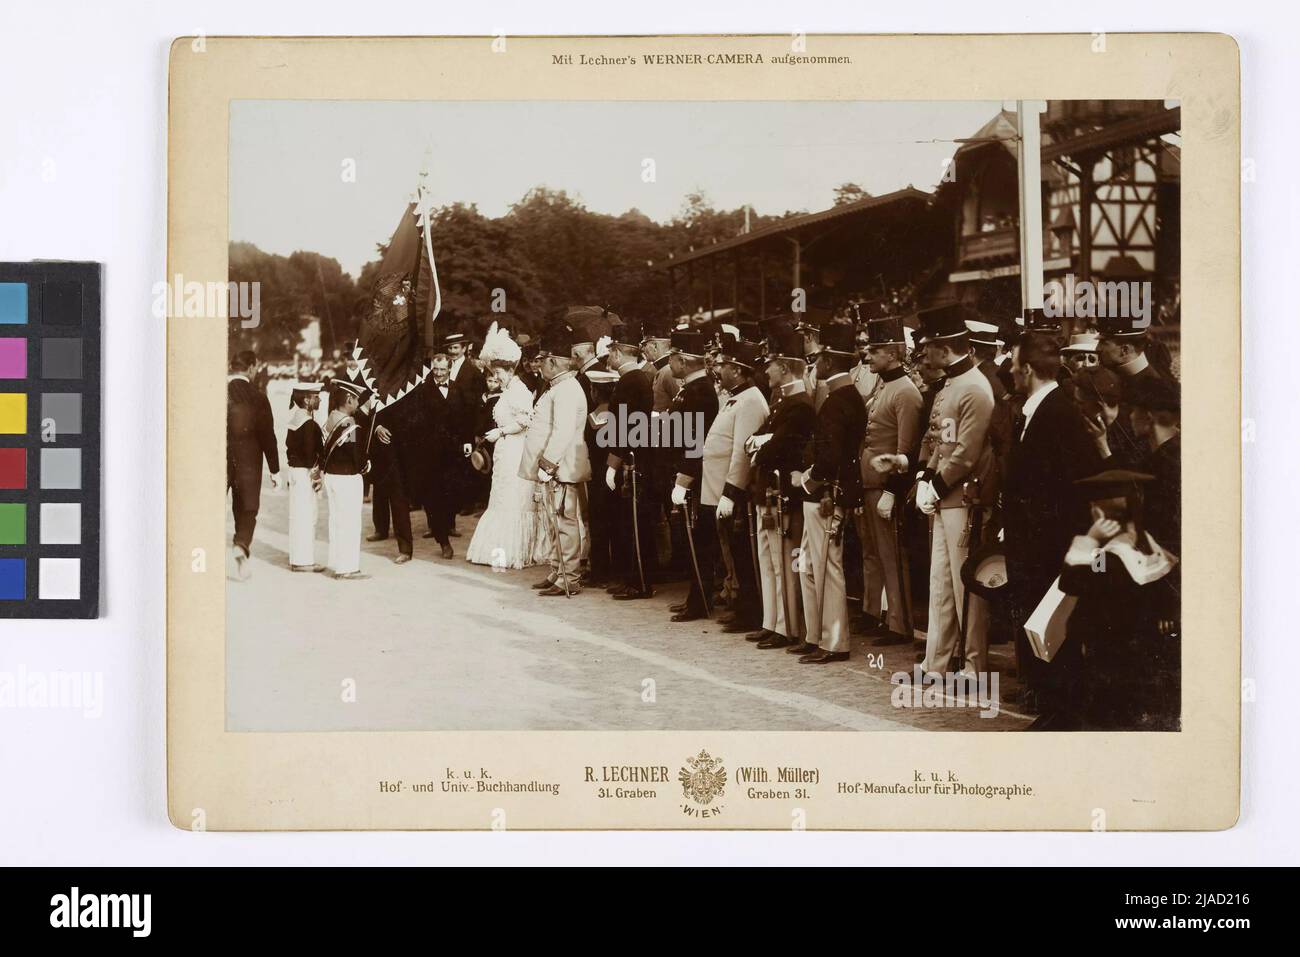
[703,778]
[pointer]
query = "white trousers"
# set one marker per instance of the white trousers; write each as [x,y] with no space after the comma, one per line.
[946,595]
[779,578]
[825,604]
[344,493]
[302,518]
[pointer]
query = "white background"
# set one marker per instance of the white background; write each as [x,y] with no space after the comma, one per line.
[83,85]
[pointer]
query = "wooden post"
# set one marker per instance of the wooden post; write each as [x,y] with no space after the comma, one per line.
[713,262]
[1087,190]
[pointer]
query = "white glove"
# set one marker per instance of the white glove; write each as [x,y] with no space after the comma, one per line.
[275,480]
[756,442]
[679,494]
[493,435]
[926,498]
[466,449]
[885,505]
[543,476]
[725,507]
[611,476]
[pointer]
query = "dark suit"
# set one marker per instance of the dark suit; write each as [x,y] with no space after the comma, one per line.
[470,387]
[250,437]
[697,402]
[444,429]
[633,400]
[1163,508]
[1042,510]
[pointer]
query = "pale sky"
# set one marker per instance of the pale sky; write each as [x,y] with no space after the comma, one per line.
[287,190]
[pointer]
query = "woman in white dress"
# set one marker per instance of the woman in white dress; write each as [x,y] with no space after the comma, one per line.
[513,532]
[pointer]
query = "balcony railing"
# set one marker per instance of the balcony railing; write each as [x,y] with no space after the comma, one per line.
[995,243]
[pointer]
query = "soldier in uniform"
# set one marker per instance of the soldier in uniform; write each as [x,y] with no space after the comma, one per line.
[777,449]
[599,504]
[635,501]
[1122,348]
[832,483]
[697,402]
[889,453]
[726,469]
[958,480]
[556,457]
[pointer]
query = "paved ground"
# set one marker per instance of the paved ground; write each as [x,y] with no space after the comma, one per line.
[438,644]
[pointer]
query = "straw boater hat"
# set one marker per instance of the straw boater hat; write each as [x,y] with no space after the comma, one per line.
[983,333]
[1081,342]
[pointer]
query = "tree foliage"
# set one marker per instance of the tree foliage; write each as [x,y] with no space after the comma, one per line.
[548,251]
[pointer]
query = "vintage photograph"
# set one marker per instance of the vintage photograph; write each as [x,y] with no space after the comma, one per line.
[718,415]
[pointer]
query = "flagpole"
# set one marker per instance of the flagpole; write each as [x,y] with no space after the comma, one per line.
[1030,168]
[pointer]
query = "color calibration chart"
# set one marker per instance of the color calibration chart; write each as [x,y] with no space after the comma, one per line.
[49,439]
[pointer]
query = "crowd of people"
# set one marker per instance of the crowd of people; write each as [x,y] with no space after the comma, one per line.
[817,457]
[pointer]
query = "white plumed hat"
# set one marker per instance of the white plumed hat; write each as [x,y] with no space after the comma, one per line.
[499,347]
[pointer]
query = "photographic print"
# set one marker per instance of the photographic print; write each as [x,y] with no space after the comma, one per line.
[745,428]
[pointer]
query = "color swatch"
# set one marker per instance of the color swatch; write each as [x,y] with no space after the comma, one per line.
[49,439]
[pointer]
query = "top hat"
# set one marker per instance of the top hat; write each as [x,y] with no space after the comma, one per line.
[741,353]
[871,310]
[627,334]
[985,572]
[887,331]
[1037,320]
[656,329]
[555,340]
[947,321]
[838,338]
[1121,327]
[785,344]
[689,342]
